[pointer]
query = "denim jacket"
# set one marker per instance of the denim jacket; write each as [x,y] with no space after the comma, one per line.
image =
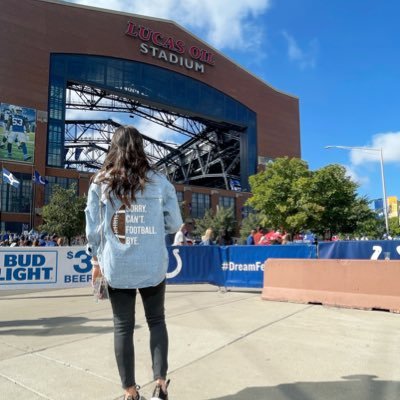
[129,242]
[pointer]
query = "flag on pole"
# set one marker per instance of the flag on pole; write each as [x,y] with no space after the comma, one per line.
[9,178]
[235,185]
[37,178]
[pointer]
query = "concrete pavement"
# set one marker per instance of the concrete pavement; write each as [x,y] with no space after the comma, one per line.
[58,345]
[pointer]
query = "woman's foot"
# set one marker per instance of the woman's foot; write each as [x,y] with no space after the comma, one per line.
[132,397]
[132,393]
[160,391]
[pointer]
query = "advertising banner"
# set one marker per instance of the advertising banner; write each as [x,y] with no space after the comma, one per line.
[230,266]
[360,250]
[68,267]
[44,268]
[245,264]
[194,264]
[17,133]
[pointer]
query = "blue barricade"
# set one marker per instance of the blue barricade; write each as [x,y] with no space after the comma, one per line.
[194,264]
[360,249]
[230,266]
[245,266]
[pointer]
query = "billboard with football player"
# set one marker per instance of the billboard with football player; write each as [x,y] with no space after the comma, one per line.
[17,133]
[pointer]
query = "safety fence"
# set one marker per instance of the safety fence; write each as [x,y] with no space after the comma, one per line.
[230,266]
[360,250]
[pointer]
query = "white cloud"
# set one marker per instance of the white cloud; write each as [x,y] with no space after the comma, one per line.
[72,114]
[156,131]
[305,58]
[144,126]
[352,173]
[229,24]
[364,166]
[389,142]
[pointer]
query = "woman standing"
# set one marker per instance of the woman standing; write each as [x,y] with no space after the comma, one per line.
[206,240]
[129,211]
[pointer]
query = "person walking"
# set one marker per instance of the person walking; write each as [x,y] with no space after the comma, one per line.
[130,209]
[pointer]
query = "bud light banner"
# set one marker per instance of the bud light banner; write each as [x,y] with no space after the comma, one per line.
[360,250]
[28,267]
[41,268]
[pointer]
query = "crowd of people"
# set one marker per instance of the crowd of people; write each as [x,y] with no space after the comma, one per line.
[223,238]
[183,237]
[259,236]
[34,239]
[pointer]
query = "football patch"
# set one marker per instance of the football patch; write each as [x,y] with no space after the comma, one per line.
[118,224]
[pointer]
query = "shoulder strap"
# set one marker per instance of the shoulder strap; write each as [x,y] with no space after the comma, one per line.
[101,226]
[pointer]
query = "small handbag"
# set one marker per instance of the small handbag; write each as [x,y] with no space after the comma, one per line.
[100,289]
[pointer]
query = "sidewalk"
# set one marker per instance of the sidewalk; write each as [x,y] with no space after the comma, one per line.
[58,345]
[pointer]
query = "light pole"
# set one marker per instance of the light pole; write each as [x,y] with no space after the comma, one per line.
[379,150]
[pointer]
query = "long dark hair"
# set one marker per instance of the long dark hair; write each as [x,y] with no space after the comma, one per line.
[126,165]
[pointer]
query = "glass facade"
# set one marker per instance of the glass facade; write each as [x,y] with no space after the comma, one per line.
[227,202]
[17,200]
[152,85]
[246,211]
[179,196]
[56,180]
[200,203]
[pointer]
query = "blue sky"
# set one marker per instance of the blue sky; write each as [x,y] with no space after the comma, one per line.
[341,58]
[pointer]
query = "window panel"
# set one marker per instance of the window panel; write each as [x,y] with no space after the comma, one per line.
[200,203]
[227,202]
[17,200]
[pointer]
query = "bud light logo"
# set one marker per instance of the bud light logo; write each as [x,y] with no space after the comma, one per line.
[18,267]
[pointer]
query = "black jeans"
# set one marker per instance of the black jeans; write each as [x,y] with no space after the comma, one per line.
[123,307]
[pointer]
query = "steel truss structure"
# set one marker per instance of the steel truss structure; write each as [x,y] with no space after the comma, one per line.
[209,155]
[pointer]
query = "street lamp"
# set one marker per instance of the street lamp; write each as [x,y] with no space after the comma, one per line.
[379,150]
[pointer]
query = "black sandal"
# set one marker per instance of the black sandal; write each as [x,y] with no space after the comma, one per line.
[159,394]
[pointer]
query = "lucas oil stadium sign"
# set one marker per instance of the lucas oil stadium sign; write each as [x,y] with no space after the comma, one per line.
[169,49]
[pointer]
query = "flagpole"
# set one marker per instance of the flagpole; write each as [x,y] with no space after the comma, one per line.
[10,179]
[32,218]
[1,198]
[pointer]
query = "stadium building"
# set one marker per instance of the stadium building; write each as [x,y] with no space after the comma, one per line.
[59,59]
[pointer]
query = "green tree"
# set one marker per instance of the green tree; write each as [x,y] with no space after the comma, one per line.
[335,193]
[366,220]
[222,219]
[394,227]
[252,221]
[278,193]
[65,214]
[325,201]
